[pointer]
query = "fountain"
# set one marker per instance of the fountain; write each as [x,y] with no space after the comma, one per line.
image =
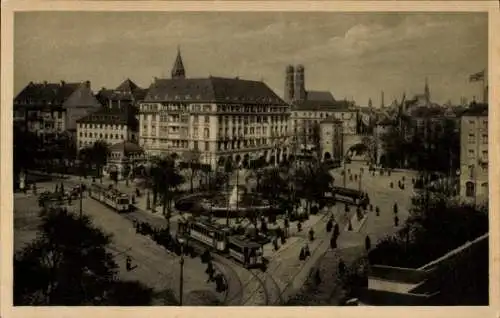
[238,202]
[234,198]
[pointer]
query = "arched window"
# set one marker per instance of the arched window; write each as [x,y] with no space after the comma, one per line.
[470,189]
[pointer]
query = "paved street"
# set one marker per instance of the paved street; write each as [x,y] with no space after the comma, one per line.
[286,273]
[381,195]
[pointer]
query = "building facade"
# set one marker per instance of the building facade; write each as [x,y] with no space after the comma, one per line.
[123,158]
[109,125]
[474,153]
[310,108]
[225,119]
[50,108]
[331,132]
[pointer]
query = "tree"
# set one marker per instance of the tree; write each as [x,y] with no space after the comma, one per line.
[68,264]
[164,177]
[126,173]
[192,159]
[99,155]
[273,185]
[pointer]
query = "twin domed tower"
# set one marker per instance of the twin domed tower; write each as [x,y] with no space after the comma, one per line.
[295,89]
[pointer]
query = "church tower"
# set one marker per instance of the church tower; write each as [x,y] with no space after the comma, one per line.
[289,84]
[427,92]
[300,88]
[178,70]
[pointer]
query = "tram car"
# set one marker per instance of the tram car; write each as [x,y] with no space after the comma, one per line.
[219,238]
[350,196]
[111,197]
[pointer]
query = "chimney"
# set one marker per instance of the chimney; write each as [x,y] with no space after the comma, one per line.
[44,83]
[63,83]
[87,84]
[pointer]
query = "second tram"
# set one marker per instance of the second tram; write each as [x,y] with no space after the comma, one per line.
[111,197]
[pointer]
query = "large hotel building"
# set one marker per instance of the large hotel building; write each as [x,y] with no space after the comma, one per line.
[224,119]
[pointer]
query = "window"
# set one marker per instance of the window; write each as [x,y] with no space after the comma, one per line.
[485,154]
[470,189]
[207,146]
[207,119]
[485,139]
[472,139]
[195,145]
[206,133]
[471,153]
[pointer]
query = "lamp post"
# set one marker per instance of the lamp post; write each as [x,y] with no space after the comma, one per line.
[181,263]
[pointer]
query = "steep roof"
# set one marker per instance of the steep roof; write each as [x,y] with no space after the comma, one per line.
[127,86]
[82,97]
[212,89]
[313,105]
[323,96]
[476,109]
[108,116]
[127,90]
[46,93]
[126,147]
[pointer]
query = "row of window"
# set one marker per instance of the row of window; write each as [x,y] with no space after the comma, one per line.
[101,126]
[323,115]
[485,123]
[101,135]
[470,188]
[208,108]
[241,144]
[472,154]
[472,139]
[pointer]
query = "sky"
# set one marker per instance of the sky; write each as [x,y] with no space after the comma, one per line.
[353,55]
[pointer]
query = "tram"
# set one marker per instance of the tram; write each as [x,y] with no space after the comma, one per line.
[111,197]
[219,238]
[350,196]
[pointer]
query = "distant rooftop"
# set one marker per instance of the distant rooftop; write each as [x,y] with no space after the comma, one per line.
[476,109]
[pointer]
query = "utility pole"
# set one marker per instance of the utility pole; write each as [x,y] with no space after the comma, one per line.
[81,200]
[345,173]
[360,176]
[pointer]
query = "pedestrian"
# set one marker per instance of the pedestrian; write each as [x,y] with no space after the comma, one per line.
[368,243]
[275,243]
[377,211]
[333,242]
[306,251]
[311,235]
[317,277]
[302,255]
[395,208]
[329,226]
[299,227]
[336,230]
[341,268]
[287,227]
[128,263]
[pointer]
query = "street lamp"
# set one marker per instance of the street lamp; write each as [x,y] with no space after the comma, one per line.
[181,262]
